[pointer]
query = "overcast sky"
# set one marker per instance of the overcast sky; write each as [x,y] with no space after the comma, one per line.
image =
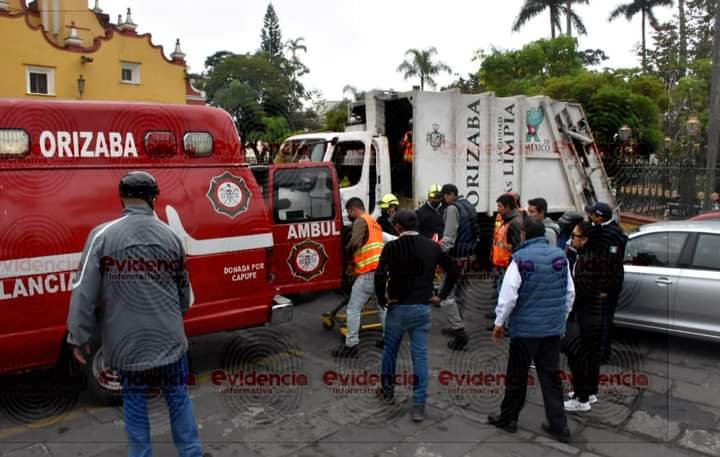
[362,42]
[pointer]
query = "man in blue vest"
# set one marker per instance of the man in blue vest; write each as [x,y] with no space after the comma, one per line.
[536,297]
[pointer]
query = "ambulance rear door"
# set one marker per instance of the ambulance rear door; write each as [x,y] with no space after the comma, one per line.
[306,219]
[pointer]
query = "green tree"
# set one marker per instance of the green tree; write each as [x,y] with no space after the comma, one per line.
[336,118]
[645,8]
[239,99]
[700,21]
[270,36]
[523,71]
[421,65]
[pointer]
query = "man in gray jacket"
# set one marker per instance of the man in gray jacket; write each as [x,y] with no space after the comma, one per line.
[133,283]
[537,209]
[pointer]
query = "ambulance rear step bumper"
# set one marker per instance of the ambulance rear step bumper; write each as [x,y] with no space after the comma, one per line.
[282,310]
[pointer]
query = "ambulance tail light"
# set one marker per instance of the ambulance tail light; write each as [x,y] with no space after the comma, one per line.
[160,144]
[198,144]
[14,143]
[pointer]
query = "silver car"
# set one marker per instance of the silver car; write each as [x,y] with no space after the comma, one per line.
[672,279]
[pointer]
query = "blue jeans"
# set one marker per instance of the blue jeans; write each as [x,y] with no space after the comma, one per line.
[416,320]
[363,289]
[172,380]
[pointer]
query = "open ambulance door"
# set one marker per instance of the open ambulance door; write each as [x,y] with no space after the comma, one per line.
[306,217]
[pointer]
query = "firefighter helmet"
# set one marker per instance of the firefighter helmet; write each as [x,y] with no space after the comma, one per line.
[139,184]
[435,191]
[389,200]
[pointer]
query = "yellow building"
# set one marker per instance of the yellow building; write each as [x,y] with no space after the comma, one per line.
[61,49]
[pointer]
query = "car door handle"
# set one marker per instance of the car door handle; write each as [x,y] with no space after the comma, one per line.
[663,281]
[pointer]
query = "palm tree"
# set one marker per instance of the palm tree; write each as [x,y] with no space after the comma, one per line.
[573,19]
[645,8]
[421,64]
[293,46]
[532,8]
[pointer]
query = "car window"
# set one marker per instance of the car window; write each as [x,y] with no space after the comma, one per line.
[303,195]
[655,249]
[706,256]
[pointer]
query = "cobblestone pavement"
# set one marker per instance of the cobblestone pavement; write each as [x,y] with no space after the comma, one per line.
[274,392]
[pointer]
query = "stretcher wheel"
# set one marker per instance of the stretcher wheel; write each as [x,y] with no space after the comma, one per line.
[328,322]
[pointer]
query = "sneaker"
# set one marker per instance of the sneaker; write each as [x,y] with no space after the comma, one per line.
[592,399]
[560,435]
[576,405]
[345,352]
[449,331]
[418,413]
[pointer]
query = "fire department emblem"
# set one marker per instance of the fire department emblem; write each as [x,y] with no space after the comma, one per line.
[307,260]
[435,138]
[229,194]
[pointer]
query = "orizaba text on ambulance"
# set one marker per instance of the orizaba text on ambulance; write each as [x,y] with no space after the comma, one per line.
[87,144]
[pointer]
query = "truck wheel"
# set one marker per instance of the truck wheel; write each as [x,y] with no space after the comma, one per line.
[104,384]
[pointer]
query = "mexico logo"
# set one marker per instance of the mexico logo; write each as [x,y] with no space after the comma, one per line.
[435,138]
[307,260]
[229,194]
[534,118]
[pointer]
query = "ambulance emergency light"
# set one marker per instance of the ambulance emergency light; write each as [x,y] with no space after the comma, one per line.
[14,142]
[160,144]
[198,143]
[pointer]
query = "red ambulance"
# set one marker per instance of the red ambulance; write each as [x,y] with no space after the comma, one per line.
[249,241]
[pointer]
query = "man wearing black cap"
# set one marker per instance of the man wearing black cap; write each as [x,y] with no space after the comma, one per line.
[603,274]
[404,284]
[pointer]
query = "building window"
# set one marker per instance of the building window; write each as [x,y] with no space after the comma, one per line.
[130,73]
[40,80]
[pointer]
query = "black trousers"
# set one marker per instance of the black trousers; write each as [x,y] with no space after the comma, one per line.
[546,354]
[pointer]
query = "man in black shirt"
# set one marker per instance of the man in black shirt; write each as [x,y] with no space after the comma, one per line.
[404,284]
[430,217]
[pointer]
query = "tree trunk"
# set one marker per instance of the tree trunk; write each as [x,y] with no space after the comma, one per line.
[552,25]
[569,18]
[714,128]
[422,82]
[644,51]
[683,39]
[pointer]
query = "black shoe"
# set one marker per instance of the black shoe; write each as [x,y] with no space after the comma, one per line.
[380,344]
[345,352]
[449,331]
[386,399]
[459,342]
[560,435]
[418,413]
[509,426]
[490,316]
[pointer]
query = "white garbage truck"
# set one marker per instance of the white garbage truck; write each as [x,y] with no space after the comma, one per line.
[484,144]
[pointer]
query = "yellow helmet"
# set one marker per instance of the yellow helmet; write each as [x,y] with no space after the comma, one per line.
[388,200]
[435,191]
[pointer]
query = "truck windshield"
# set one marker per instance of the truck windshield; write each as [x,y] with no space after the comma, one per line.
[292,151]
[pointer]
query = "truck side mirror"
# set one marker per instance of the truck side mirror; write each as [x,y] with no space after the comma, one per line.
[283,203]
[334,141]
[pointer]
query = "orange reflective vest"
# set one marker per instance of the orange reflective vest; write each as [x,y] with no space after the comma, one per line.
[502,251]
[367,257]
[408,149]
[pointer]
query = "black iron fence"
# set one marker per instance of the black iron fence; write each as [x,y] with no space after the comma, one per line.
[663,191]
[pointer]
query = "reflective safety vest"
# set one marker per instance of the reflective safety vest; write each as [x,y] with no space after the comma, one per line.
[502,251]
[367,257]
[408,148]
